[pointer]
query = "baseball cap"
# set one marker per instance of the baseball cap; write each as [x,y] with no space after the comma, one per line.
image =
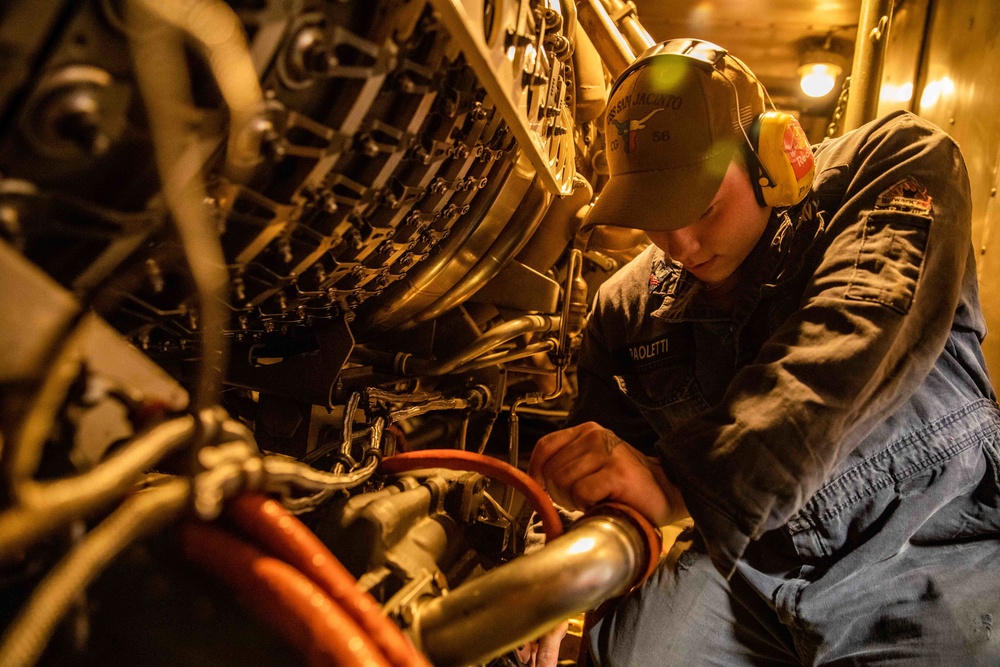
[674,120]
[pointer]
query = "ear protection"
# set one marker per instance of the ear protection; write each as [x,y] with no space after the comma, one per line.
[779,158]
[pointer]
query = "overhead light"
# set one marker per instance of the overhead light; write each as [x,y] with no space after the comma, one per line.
[818,79]
[821,63]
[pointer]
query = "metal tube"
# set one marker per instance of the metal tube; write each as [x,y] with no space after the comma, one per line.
[601,557]
[611,44]
[624,15]
[45,506]
[495,336]
[141,514]
[164,83]
[866,70]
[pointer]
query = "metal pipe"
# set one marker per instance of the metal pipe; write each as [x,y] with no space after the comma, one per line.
[507,356]
[496,336]
[157,47]
[625,17]
[599,558]
[866,69]
[611,44]
[24,450]
[218,32]
[45,506]
[142,514]
[569,14]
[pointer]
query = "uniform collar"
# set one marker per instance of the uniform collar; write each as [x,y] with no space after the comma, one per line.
[778,257]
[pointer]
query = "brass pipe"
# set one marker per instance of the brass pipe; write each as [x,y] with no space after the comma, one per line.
[498,335]
[625,17]
[866,69]
[611,44]
[599,558]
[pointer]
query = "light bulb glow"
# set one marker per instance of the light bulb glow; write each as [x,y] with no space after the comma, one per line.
[818,79]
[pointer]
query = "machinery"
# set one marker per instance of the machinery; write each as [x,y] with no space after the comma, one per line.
[268,259]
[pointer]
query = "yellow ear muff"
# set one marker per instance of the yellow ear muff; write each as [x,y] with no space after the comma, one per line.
[785,157]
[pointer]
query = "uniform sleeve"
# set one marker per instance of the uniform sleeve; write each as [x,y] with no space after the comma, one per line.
[874,317]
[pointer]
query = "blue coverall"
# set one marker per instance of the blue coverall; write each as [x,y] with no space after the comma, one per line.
[834,436]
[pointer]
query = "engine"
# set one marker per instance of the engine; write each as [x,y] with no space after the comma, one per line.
[290,287]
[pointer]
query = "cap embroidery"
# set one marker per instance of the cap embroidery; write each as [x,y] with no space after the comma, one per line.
[630,129]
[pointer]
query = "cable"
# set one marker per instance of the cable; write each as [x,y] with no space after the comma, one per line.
[458,460]
[283,472]
[270,525]
[498,335]
[45,506]
[25,449]
[157,45]
[283,598]
[140,515]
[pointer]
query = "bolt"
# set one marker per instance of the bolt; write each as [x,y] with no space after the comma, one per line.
[353,239]
[285,248]
[278,148]
[155,276]
[239,289]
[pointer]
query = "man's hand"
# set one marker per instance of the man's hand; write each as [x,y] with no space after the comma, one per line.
[544,651]
[586,465]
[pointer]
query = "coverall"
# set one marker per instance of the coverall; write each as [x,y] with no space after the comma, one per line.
[834,435]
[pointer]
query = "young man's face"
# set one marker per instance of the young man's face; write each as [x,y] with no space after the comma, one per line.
[714,246]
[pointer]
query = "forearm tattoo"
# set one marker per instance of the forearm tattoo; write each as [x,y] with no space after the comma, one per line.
[610,441]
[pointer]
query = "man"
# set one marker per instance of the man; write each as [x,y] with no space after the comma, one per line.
[802,361]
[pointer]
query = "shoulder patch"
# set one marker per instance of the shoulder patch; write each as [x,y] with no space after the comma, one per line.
[906,195]
[657,274]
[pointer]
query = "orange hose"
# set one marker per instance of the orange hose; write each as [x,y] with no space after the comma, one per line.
[276,529]
[283,598]
[456,459]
